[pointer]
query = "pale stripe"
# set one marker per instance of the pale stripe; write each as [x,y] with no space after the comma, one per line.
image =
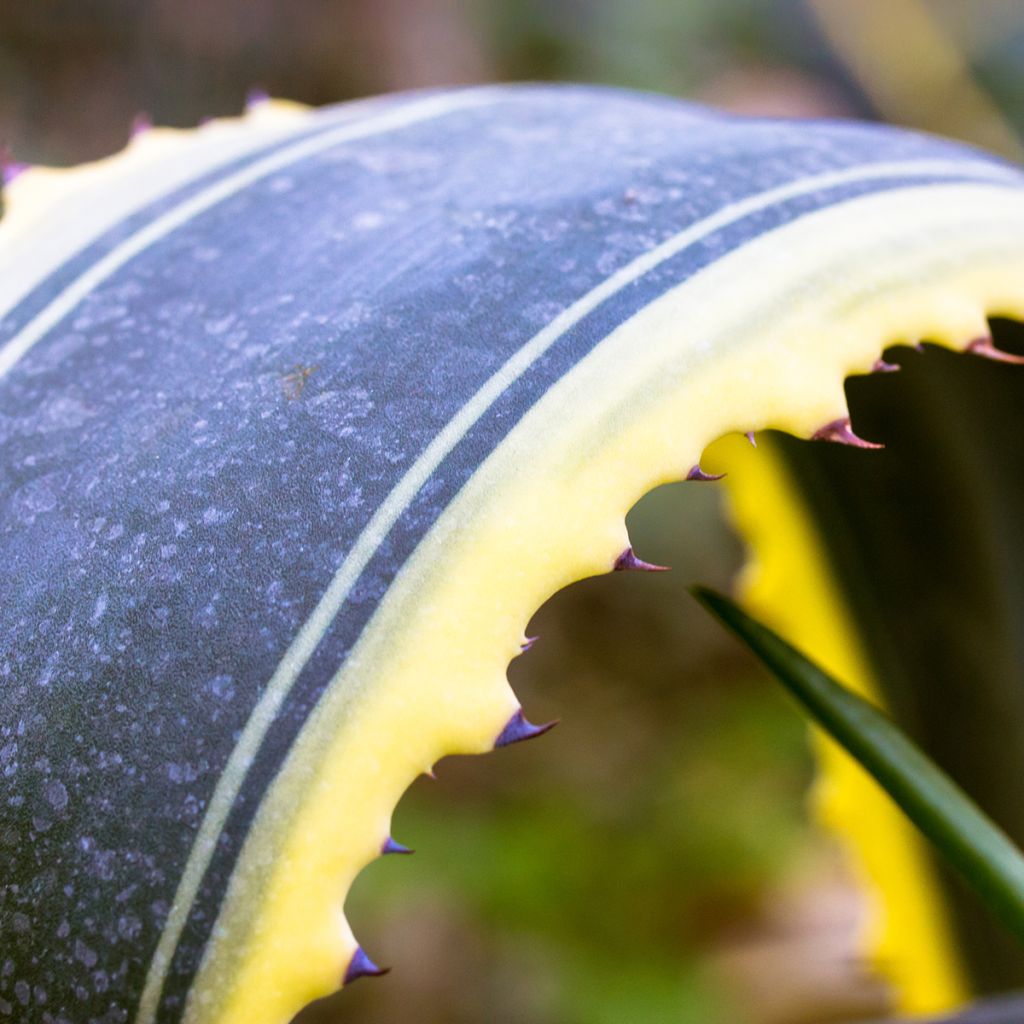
[74,293]
[387,514]
[86,202]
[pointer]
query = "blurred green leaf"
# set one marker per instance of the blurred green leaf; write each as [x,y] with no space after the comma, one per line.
[972,843]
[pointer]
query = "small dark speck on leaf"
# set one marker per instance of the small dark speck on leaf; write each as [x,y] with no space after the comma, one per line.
[295,380]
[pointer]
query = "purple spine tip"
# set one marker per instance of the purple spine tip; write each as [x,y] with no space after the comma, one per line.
[256,97]
[528,643]
[390,846]
[141,123]
[11,170]
[361,966]
[985,348]
[696,473]
[881,366]
[841,432]
[751,438]
[519,728]
[9,167]
[628,562]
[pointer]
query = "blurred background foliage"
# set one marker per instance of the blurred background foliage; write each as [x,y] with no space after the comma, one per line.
[74,73]
[652,859]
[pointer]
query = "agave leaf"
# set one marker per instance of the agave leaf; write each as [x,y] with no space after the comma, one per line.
[968,838]
[789,582]
[924,546]
[304,415]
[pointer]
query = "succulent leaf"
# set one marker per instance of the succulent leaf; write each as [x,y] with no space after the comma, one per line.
[921,541]
[304,415]
[970,840]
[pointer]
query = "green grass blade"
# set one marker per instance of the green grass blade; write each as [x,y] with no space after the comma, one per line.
[971,842]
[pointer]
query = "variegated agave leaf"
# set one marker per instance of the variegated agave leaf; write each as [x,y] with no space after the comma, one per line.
[923,543]
[302,416]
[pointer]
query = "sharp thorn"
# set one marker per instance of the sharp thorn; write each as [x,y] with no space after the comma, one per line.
[519,728]
[361,966]
[918,347]
[841,432]
[881,366]
[430,774]
[986,349]
[141,123]
[528,643]
[9,167]
[751,438]
[256,97]
[390,846]
[628,562]
[10,170]
[696,473]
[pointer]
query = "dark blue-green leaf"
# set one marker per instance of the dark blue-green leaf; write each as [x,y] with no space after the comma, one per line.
[961,832]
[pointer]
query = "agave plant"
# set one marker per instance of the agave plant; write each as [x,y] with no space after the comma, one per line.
[304,414]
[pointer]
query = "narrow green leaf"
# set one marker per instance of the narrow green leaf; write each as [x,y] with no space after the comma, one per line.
[971,842]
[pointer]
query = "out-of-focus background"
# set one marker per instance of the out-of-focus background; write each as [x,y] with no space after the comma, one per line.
[652,860]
